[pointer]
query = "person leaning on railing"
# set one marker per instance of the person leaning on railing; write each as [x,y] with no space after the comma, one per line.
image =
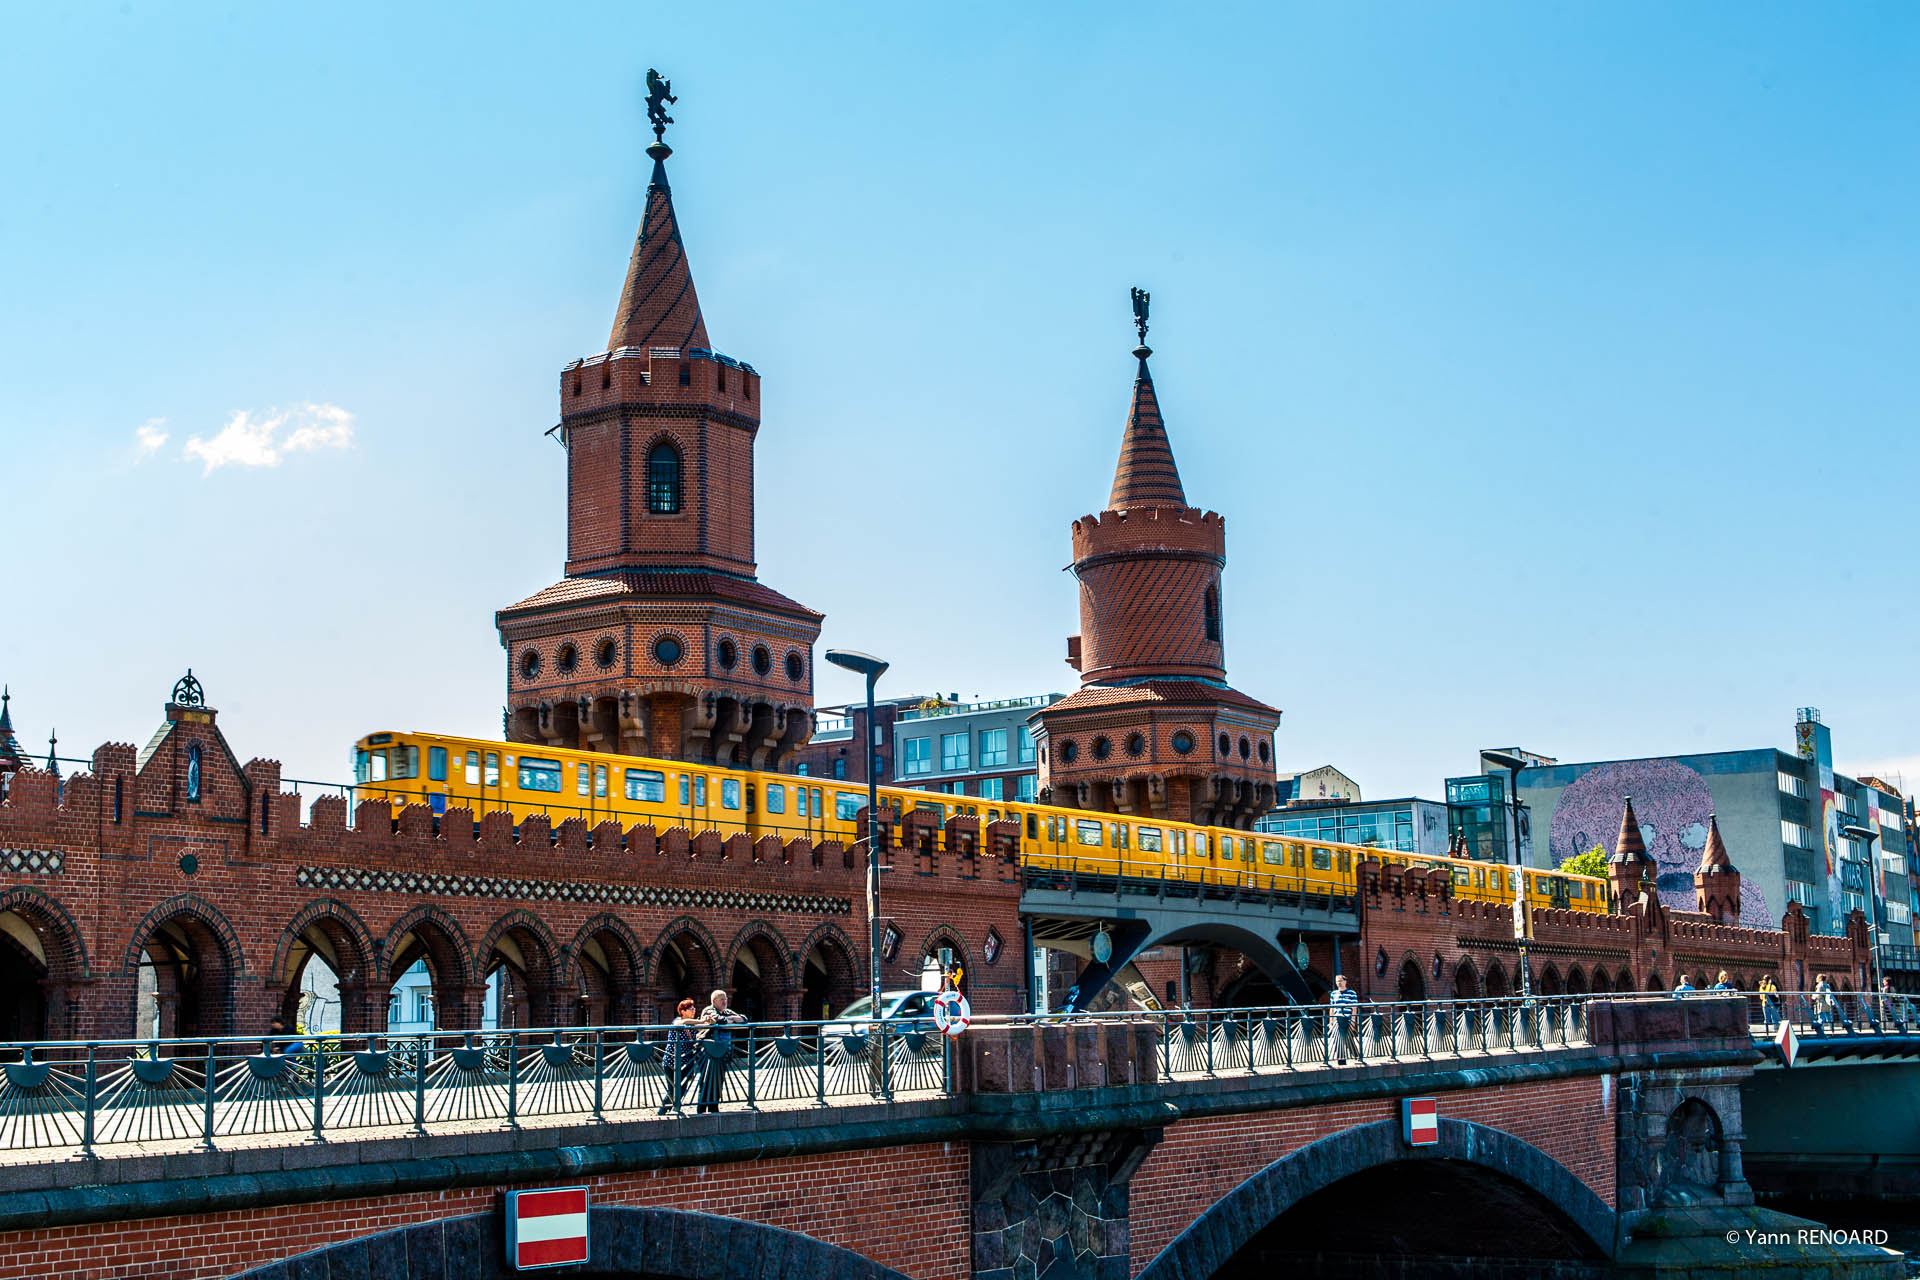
[680,1056]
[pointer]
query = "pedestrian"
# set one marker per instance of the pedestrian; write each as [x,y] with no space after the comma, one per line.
[1722,983]
[681,1054]
[717,1040]
[1824,1003]
[1892,1007]
[1684,987]
[1769,1001]
[1345,1002]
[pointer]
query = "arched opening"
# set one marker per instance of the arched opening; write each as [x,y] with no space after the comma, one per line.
[519,976]
[324,968]
[1466,983]
[185,982]
[1252,988]
[1496,984]
[1210,610]
[758,985]
[827,979]
[943,953]
[427,979]
[1689,1169]
[40,965]
[1655,982]
[1601,985]
[663,479]
[1576,982]
[607,966]
[1550,981]
[1412,984]
[1623,981]
[1444,1217]
[684,969]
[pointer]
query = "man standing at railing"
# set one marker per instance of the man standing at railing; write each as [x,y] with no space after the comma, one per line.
[717,1040]
[1345,1002]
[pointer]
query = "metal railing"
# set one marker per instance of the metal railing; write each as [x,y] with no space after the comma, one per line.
[1226,881]
[1843,1013]
[113,1093]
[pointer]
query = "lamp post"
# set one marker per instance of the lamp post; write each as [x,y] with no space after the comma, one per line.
[1513,764]
[871,667]
[1869,835]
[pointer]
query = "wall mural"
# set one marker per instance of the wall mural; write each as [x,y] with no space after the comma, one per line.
[1672,803]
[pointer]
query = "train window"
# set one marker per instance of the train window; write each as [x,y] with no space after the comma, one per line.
[493,769]
[539,775]
[699,791]
[800,801]
[819,806]
[436,764]
[847,805]
[1346,860]
[1226,848]
[776,798]
[1273,853]
[1460,877]
[729,793]
[1150,840]
[1119,835]
[408,759]
[1033,826]
[686,789]
[582,777]
[473,768]
[600,781]
[1199,844]
[1179,844]
[1322,859]
[367,763]
[646,786]
[1087,831]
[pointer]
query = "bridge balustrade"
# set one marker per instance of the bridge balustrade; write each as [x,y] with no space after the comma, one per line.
[1835,1013]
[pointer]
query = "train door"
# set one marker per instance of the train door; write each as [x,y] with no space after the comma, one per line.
[436,787]
[769,804]
[693,810]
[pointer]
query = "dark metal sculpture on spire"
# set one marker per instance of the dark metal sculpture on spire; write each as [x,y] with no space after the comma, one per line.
[1140,299]
[659,94]
[188,693]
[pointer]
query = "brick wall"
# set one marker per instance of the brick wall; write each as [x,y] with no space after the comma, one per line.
[1201,1160]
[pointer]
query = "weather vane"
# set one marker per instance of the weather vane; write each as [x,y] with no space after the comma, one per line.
[659,94]
[1140,299]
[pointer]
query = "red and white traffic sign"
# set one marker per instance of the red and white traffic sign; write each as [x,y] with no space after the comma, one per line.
[1789,1043]
[546,1228]
[951,1013]
[1420,1121]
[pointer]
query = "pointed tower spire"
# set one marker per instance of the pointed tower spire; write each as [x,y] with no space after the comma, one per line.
[1630,847]
[9,743]
[1714,859]
[1716,884]
[658,307]
[53,759]
[1146,475]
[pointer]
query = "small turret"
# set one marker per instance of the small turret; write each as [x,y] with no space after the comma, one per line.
[1629,866]
[1716,884]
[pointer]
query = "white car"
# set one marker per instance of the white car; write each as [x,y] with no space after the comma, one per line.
[900,1010]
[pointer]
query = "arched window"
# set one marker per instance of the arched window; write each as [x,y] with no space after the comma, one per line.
[193,773]
[1212,607]
[663,479]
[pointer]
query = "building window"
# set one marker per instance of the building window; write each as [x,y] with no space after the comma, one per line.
[667,650]
[1792,833]
[193,774]
[993,789]
[840,767]
[663,479]
[1102,747]
[956,750]
[879,766]
[993,749]
[919,756]
[1029,788]
[762,660]
[796,667]
[567,659]
[801,769]
[529,665]
[1136,744]
[1183,742]
[1069,750]
[726,655]
[1025,745]
[604,654]
[1790,785]
[1212,608]
[956,788]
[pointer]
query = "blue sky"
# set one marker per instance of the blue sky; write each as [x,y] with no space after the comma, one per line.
[1552,364]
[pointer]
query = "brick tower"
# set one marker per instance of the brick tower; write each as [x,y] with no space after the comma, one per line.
[1154,729]
[660,640]
[1716,883]
[1629,866]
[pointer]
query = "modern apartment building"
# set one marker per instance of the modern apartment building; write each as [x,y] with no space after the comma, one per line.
[983,749]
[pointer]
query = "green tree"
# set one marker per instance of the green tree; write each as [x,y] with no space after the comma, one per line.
[1591,863]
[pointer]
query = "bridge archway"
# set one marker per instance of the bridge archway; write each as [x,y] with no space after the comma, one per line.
[430,936]
[520,949]
[627,1243]
[329,935]
[759,983]
[685,965]
[184,957]
[42,964]
[606,974]
[829,974]
[1362,1185]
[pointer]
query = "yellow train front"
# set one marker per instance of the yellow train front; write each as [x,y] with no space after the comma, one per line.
[443,772]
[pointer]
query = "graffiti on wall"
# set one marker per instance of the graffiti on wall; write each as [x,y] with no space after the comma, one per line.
[1672,803]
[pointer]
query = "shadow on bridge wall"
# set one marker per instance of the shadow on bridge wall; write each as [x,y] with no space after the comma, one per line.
[1207,1246]
[644,1243]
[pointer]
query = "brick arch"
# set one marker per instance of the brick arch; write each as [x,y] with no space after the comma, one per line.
[844,977]
[668,1244]
[193,907]
[343,928]
[45,911]
[620,1003]
[1466,980]
[777,988]
[1237,1217]
[532,990]
[206,1007]
[444,945]
[931,943]
[702,969]
[42,1002]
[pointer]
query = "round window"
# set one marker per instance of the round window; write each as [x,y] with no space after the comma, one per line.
[1069,750]
[605,653]
[1183,742]
[1246,748]
[1102,747]
[1136,744]
[567,659]
[796,668]
[762,660]
[1266,752]
[666,650]
[726,655]
[529,665]
[1226,745]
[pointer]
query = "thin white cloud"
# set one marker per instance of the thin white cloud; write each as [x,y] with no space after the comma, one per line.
[263,440]
[148,438]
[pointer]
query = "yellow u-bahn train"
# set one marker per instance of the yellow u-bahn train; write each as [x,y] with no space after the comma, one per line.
[446,772]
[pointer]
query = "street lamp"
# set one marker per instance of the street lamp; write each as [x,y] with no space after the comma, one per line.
[1513,765]
[872,668]
[1869,835]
